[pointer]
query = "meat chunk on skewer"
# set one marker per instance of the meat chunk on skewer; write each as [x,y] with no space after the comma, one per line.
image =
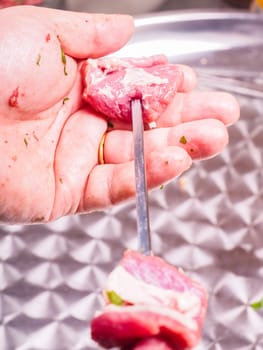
[111,84]
[7,3]
[148,298]
[153,343]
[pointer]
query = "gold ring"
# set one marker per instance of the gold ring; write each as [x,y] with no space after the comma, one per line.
[101,149]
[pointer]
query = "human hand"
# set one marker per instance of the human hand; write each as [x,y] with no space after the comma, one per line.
[49,140]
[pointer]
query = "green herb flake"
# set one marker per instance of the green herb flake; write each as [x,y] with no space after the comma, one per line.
[25,141]
[63,59]
[63,56]
[161,187]
[257,305]
[114,298]
[38,59]
[65,99]
[183,140]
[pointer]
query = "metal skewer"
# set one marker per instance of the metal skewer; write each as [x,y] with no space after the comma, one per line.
[143,225]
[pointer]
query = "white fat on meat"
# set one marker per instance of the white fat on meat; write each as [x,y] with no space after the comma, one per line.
[132,77]
[137,292]
[107,91]
[138,76]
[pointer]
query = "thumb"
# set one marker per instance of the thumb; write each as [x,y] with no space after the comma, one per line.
[85,35]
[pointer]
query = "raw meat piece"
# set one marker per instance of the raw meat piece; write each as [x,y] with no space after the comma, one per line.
[153,343]
[154,300]
[111,84]
[7,3]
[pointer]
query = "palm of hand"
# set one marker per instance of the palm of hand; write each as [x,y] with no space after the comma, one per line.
[48,144]
[49,140]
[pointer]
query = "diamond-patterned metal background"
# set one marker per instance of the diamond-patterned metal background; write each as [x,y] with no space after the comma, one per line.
[209,222]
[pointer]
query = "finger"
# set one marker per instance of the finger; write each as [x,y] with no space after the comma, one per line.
[90,35]
[76,155]
[201,139]
[189,78]
[201,105]
[109,184]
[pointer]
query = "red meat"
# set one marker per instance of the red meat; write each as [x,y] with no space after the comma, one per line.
[153,343]
[158,300]
[7,3]
[111,84]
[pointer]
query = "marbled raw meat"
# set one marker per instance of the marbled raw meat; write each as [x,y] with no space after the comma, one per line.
[111,83]
[159,300]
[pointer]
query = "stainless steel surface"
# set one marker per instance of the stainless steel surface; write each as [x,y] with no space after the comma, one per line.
[133,7]
[154,6]
[200,4]
[209,221]
[143,224]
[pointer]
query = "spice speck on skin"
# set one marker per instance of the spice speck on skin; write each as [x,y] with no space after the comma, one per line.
[65,99]
[183,140]
[38,59]
[61,180]
[14,158]
[25,141]
[38,219]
